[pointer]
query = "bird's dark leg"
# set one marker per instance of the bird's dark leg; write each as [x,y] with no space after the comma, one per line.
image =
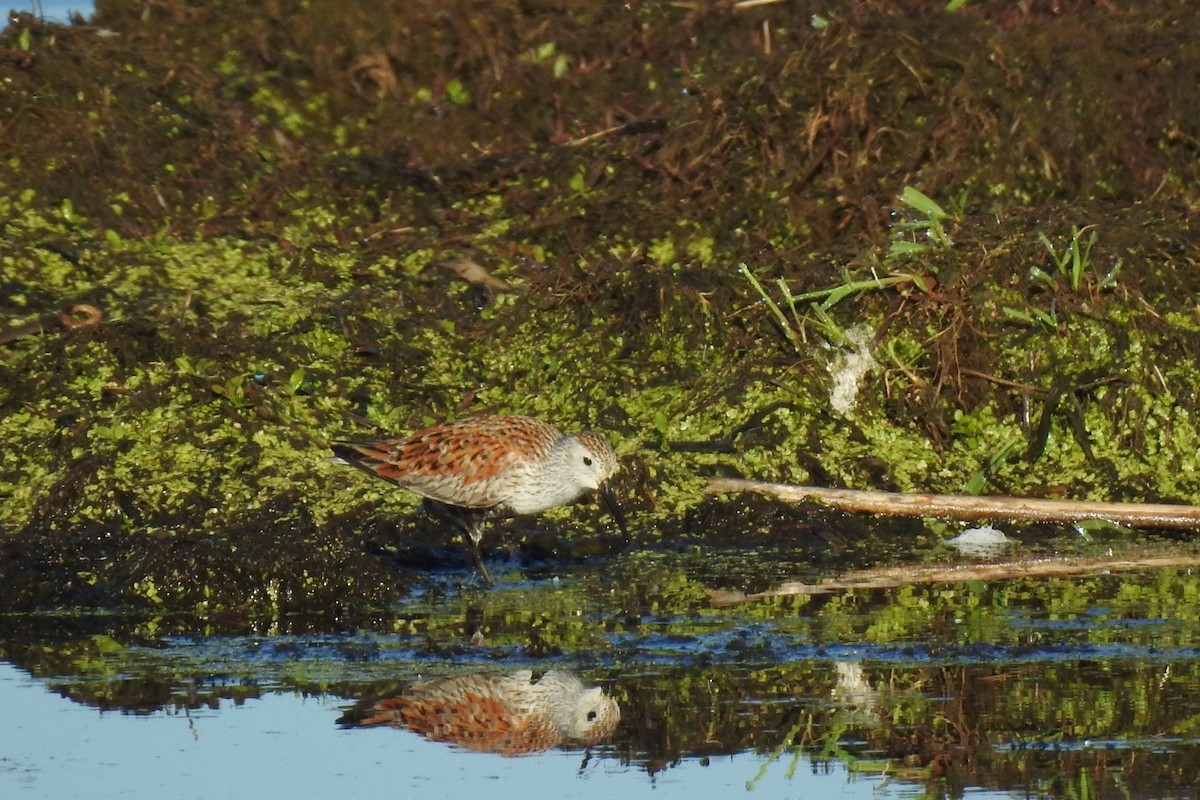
[470,521]
[474,535]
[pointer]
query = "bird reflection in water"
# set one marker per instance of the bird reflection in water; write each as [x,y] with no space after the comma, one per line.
[510,713]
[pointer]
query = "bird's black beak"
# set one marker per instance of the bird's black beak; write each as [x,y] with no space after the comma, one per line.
[610,503]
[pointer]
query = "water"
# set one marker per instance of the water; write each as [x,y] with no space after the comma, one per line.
[54,10]
[1086,686]
[284,744]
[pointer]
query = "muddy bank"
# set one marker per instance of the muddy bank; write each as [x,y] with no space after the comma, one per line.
[302,224]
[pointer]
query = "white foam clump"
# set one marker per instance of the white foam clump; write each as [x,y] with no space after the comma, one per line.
[982,541]
[849,366]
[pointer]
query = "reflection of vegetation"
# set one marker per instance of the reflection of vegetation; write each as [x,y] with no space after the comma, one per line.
[787,745]
[270,255]
[950,686]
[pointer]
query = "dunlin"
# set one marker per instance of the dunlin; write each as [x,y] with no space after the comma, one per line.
[468,469]
[507,713]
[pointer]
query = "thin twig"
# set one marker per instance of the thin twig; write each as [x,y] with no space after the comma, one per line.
[969,507]
[745,4]
[909,574]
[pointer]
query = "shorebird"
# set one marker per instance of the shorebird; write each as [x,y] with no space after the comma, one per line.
[469,469]
[508,713]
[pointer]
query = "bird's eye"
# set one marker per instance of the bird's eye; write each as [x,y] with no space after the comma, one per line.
[587,461]
[591,716]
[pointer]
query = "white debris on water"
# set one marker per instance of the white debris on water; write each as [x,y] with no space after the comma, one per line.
[982,542]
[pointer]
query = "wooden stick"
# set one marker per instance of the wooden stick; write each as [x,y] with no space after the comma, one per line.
[907,574]
[969,507]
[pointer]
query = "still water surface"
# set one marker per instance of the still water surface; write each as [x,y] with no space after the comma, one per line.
[1085,687]
[283,744]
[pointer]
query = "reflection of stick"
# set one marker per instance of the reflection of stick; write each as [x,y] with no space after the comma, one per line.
[968,507]
[77,316]
[908,574]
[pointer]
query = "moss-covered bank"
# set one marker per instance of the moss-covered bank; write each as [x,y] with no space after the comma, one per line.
[302,221]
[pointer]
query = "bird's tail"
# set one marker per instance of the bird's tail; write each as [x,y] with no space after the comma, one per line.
[370,457]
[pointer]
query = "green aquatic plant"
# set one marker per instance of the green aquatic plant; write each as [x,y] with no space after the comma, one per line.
[804,312]
[1074,262]
[1073,268]
[924,233]
[796,313]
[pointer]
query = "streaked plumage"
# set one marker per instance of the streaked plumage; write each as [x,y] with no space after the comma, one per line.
[508,713]
[472,467]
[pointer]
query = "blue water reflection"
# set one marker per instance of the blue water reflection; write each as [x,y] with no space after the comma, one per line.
[287,745]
